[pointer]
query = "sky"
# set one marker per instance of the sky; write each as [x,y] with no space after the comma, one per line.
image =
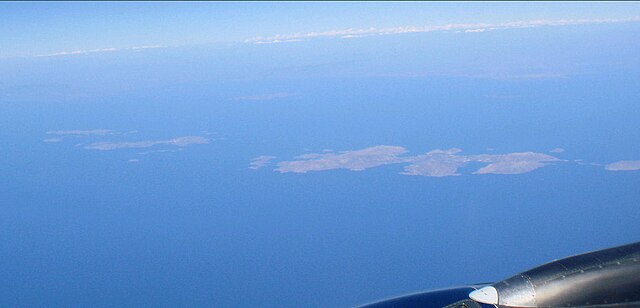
[308,154]
[36,28]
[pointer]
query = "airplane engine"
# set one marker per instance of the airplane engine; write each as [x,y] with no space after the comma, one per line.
[608,278]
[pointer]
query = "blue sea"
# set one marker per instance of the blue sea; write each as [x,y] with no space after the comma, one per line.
[166,225]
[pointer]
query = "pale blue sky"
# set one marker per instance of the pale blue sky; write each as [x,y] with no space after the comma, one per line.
[41,28]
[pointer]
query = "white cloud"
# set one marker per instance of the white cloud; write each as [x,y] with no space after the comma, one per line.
[456,27]
[556,150]
[99,50]
[277,41]
[477,30]
[623,165]
[147,47]
[77,52]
